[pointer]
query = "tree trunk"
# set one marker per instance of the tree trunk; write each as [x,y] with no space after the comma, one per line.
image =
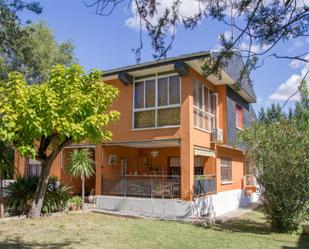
[37,203]
[83,192]
[1,198]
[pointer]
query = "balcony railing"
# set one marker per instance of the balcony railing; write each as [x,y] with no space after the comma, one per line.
[204,185]
[147,186]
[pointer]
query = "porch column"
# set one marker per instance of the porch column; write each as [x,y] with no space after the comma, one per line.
[186,150]
[98,169]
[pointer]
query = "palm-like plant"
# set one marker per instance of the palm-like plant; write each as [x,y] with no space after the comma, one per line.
[81,165]
[6,169]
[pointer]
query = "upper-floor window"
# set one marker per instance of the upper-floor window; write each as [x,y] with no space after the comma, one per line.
[205,105]
[157,102]
[238,116]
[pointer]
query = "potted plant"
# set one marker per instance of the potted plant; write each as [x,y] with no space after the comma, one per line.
[75,203]
[91,196]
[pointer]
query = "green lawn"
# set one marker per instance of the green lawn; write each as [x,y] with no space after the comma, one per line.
[91,230]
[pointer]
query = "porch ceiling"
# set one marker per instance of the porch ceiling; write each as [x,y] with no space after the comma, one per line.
[146,144]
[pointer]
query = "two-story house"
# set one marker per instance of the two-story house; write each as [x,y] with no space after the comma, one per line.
[174,150]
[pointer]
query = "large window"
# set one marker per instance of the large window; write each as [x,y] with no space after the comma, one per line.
[157,102]
[205,104]
[226,170]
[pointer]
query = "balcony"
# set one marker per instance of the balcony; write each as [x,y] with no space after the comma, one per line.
[145,186]
[204,185]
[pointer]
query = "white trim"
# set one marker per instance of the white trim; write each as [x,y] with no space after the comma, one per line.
[155,128]
[155,107]
[226,182]
[203,110]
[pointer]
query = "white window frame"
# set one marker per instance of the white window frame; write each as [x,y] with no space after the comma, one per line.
[203,111]
[156,107]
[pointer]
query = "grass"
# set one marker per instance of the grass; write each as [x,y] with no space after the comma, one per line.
[90,230]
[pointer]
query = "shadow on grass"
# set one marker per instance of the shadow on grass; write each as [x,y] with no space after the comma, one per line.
[256,224]
[303,243]
[244,226]
[17,242]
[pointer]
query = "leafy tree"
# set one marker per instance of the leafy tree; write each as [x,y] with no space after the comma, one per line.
[257,26]
[34,53]
[41,119]
[280,148]
[6,169]
[81,165]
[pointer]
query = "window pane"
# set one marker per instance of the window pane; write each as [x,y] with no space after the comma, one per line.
[206,100]
[212,103]
[139,95]
[162,91]
[170,116]
[226,169]
[195,93]
[200,95]
[144,119]
[150,93]
[174,90]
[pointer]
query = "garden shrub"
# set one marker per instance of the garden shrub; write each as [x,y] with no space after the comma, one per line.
[21,193]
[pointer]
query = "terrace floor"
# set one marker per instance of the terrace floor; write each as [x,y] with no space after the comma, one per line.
[91,230]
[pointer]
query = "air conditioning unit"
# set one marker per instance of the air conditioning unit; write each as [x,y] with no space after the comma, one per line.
[217,135]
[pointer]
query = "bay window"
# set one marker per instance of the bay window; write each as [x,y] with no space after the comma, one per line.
[157,102]
[205,105]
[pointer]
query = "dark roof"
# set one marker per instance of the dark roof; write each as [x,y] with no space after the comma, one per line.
[233,67]
[155,63]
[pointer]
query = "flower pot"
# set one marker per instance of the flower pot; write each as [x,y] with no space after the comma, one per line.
[90,198]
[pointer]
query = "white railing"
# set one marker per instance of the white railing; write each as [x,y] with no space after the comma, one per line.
[203,120]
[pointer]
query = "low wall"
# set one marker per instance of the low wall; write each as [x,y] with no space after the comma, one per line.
[221,203]
[159,208]
[212,205]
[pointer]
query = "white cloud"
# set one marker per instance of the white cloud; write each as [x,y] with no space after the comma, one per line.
[188,8]
[285,90]
[295,63]
[307,40]
[254,48]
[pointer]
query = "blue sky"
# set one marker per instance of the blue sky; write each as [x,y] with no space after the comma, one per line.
[107,42]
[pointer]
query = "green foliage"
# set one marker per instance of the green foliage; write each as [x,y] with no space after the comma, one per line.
[6,161]
[69,106]
[81,164]
[279,146]
[34,53]
[21,194]
[57,196]
[75,201]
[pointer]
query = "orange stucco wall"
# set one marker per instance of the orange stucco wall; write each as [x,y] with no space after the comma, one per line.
[237,157]
[189,137]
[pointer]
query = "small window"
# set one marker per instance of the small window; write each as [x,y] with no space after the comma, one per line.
[226,170]
[198,171]
[238,116]
[198,165]
[33,167]
[175,169]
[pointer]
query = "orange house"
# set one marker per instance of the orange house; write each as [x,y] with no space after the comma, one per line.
[174,150]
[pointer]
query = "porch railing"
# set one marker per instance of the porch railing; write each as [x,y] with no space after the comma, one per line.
[147,186]
[204,184]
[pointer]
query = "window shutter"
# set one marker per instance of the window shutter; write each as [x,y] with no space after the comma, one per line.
[238,116]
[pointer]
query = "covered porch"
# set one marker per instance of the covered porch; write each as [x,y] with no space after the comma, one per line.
[152,169]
